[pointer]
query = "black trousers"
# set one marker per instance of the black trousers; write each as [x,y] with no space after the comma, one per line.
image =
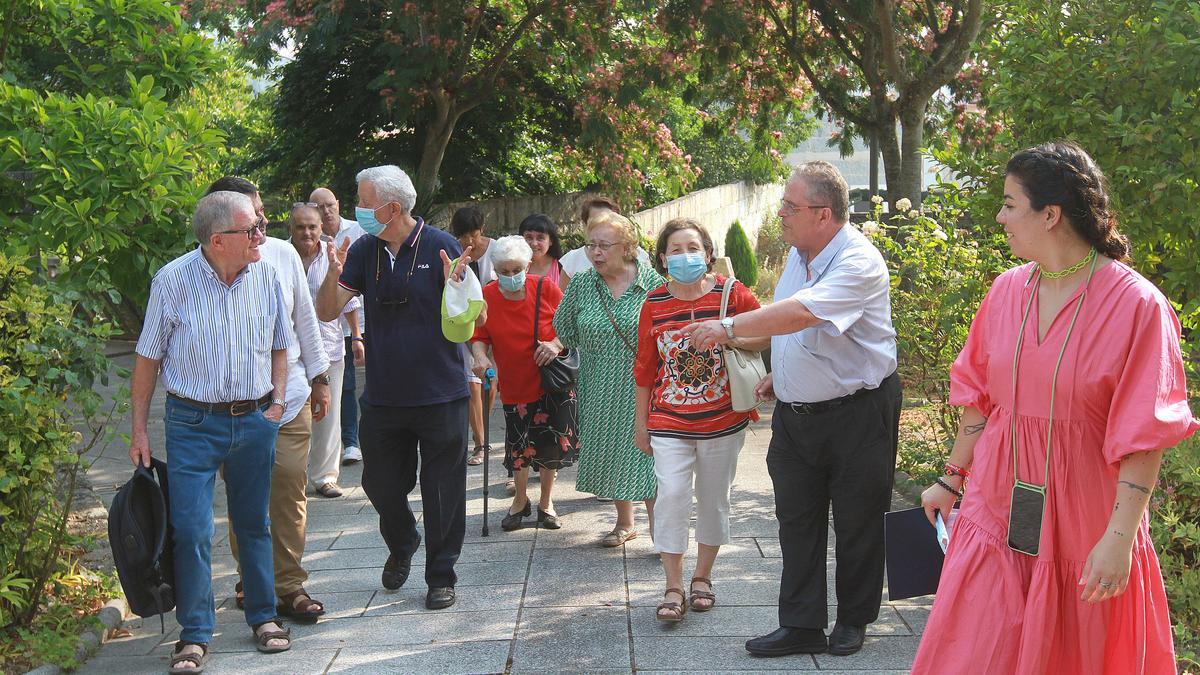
[391,439]
[845,456]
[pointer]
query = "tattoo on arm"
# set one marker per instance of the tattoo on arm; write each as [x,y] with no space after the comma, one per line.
[972,429]
[1135,486]
[1118,533]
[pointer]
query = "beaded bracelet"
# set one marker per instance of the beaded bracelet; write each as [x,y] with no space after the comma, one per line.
[946,485]
[955,470]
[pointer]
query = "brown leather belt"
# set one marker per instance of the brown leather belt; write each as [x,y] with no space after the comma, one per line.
[234,408]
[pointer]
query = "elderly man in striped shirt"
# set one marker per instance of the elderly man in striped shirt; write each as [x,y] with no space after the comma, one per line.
[217,332]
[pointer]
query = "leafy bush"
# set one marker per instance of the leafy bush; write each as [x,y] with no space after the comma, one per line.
[102,151]
[941,267]
[741,256]
[49,359]
[1175,527]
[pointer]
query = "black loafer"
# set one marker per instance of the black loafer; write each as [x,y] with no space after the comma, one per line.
[513,520]
[396,569]
[439,598]
[549,521]
[845,639]
[787,640]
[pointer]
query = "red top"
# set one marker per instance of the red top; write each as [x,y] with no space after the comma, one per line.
[509,330]
[689,388]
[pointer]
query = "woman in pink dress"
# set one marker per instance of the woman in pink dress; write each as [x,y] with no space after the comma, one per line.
[1093,350]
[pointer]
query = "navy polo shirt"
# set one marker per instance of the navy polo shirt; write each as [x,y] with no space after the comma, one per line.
[409,361]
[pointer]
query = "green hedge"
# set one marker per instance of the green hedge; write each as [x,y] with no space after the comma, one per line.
[741,256]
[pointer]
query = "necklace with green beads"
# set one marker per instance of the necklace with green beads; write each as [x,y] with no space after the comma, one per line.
[1070,270]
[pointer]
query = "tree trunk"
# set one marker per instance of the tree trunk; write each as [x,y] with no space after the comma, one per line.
[874,162]
[912,175]
[889,148]
[437,138]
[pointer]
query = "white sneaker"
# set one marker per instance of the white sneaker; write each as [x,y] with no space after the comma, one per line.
[352,455]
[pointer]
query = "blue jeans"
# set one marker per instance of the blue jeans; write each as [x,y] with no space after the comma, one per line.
[198,443]
[349,401]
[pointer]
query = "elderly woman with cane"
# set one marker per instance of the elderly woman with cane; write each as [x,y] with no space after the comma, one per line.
[540,426]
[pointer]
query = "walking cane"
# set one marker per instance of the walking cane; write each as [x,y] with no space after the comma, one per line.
[487,425]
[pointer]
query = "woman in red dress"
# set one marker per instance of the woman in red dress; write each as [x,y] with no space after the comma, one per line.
[540,428]
[1072,384]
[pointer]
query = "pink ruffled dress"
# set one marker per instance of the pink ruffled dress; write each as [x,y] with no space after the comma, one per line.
[1121,390]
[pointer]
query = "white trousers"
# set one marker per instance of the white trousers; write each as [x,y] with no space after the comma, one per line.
[712,464]
[325,455]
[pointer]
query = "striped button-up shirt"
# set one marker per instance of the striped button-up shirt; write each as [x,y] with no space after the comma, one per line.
[214,341]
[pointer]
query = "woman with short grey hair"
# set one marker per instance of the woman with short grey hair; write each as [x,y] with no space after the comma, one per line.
[540,426]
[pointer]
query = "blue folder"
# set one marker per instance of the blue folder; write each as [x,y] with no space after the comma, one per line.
[914,557]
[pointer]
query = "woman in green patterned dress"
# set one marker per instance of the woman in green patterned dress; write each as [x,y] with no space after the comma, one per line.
[599,315]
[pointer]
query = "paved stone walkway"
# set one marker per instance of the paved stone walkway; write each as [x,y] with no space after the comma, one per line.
[528,601]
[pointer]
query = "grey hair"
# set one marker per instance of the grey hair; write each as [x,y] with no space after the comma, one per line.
[391,184]
[512,248]
[217,210]
[825,185]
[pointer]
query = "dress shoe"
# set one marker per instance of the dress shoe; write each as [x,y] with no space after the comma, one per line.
[439,597]
[512,521]
[549,521]
[845,639]
[395,570]
[787,640]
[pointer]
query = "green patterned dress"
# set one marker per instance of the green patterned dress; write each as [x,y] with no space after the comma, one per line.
[609,464]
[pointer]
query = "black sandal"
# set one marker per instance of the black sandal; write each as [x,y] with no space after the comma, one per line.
[261,639]
[178,657]
[239,598]
[287,607]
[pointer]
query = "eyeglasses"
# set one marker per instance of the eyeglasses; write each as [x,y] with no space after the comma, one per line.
[384,290]
[260,226]
[787,208]
[324,207]
[602,245]
[311,205]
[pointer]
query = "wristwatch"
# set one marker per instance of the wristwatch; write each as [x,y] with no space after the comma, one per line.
[727,324]
[279,402]
[321,379]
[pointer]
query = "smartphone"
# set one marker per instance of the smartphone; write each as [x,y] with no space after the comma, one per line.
[1025,517]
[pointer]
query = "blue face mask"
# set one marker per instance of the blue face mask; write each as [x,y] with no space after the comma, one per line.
[367,221]
[686,268]
[511,284]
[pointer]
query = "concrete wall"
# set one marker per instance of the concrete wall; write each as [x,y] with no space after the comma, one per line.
[716,208]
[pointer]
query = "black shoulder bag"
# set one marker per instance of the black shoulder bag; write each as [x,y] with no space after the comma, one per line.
[558,376]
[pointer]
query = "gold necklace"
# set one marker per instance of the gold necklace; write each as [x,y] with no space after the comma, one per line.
[1070,270]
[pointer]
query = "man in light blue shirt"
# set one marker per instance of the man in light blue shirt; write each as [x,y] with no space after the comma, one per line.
[835,426]
[216,331]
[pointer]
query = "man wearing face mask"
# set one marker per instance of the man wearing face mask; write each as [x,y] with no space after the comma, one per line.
[414,405]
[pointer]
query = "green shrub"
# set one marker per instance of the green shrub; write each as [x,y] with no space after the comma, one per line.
[49,358]
[741,256]
[1175,527]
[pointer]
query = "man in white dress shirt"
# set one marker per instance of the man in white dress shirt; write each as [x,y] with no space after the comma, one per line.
[307,400]
[341,229]
[834,430]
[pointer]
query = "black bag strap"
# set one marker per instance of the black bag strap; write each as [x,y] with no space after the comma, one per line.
[537,307]
[612,320]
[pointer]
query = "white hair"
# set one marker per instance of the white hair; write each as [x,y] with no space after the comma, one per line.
[391,184]
[217,209]
[512,248]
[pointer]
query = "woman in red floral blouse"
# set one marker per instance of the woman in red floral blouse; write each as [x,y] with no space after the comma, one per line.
[685,416]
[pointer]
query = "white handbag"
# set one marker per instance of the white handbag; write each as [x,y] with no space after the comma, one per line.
[745,368]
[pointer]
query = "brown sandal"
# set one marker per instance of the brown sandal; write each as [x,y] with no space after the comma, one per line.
[702,595]
[179,656]
[262,639]
[287,607]
[677,609]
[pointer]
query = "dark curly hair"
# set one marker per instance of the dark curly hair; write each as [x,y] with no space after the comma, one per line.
[1061,173]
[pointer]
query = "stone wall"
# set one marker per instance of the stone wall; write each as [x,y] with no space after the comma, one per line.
[716,208]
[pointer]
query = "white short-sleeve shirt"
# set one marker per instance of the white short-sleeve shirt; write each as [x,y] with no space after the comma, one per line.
[854,345]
